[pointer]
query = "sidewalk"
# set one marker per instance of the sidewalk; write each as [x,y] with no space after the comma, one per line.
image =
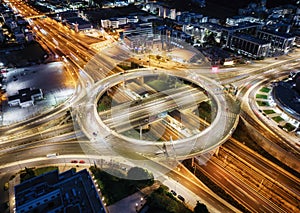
[12,183]
[133,203]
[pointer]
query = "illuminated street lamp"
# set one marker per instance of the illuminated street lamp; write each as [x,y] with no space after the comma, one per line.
[142,199]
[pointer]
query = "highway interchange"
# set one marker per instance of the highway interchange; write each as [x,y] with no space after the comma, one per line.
[97,71]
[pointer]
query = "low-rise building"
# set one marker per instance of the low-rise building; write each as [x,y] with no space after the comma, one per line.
[118,22]
[236,20]
[53,192]
[19,35]
[139,43]
[223,33]
[25,97]
[280,42]
[29,35]
[249,45]
[78,24]
[141,28]
[191,18]
[75,21]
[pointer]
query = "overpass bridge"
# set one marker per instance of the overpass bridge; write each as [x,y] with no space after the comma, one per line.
[144,111]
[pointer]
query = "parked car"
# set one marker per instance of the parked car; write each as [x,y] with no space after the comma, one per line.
[173,192]
[181,198]
[74,161]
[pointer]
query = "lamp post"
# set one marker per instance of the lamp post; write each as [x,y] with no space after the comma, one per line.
[136,207]
[142,199]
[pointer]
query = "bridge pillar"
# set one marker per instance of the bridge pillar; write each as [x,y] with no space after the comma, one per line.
[140,80]
[217,151]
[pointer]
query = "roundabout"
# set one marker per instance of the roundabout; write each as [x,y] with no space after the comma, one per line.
[106,128]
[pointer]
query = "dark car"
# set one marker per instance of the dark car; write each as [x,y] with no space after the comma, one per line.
[181,198]
[173,192]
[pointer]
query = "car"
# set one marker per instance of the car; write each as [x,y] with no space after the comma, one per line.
[173,192]
[81,161]
[138,101]
[74,161]
[180,198]
[6,186]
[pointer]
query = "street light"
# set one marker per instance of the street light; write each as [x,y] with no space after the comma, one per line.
[142,199]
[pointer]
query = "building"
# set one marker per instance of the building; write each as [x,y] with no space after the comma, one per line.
[73,20]
[139,43]
[160,9]
[236,20]
[59,193]
[117,22]
[297,80]
[19,35]
[28,35]
[249,45]
[25,97]
[281,42]
[78,24]
[166,12]
[141,28]
[2,38]
[223,34]
[191,18]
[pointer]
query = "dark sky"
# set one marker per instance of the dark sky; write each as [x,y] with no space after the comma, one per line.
[222,8]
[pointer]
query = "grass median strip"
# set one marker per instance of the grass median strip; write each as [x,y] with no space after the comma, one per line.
[261,96]
[265,90]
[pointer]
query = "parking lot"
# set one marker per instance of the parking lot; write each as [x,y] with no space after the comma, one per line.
[51,78]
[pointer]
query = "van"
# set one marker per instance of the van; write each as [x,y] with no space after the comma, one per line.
[51,155]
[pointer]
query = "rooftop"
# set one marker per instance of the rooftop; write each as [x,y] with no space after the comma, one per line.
[54,192]
[280,34]
[25,95]
[251,38]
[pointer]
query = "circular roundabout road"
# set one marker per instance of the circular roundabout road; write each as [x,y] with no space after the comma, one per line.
[210,138]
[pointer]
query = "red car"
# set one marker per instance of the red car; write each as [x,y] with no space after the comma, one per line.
[81,161]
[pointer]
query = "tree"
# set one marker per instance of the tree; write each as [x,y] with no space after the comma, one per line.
[99,3]
[137,173]
[200,208]
[163,77]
